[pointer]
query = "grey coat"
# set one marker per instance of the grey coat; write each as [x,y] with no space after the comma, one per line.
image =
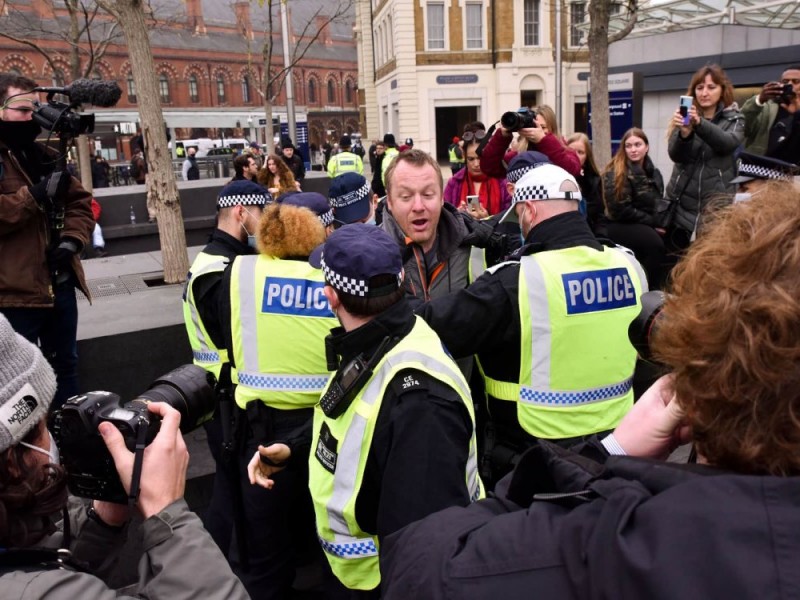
[180,561]
[705,164]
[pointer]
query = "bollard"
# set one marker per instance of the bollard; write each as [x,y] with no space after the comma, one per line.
[220,169]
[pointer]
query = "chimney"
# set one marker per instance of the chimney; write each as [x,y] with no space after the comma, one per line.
[194,16]
[243,23]
[42,8]
[323,26]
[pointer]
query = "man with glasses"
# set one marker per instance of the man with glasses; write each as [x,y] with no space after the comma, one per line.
[772,119]
[45,221]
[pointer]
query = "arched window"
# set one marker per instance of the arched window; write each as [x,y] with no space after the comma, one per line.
[96,75]
[331,92]
[348,91]
[246,89]
[221,89]
[131,89]
[15,71]
[194,96]
[163,88]
[312,91]
[58,78]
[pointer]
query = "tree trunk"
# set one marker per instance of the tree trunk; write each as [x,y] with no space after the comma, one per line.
[598,82]
[162,190]
[85,162]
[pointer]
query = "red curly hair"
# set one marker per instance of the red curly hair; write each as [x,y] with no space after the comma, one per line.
[730,330]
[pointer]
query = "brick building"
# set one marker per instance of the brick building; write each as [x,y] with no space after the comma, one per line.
[208,60]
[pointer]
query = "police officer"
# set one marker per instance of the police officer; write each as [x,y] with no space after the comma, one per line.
[550,327]
[275,317]
[239,207]
[351,199]
[393,435]
[345,161]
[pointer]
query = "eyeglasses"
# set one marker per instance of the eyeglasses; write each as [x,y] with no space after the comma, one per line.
[478,135]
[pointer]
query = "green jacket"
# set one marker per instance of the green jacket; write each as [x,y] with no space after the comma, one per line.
[758,121]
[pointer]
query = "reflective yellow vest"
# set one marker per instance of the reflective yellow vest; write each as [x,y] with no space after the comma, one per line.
[339,456]
[576,361]
[388,157]
[345,162]
[279,320]
[453,156]
[204,353]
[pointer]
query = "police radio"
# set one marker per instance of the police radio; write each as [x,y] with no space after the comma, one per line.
[349,381]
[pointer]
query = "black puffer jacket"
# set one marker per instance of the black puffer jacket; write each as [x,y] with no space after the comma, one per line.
[638,202]
[704,164]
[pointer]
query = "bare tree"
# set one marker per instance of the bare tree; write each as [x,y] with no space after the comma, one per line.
[86,33]
[336,11]
[599,40]
[134,18]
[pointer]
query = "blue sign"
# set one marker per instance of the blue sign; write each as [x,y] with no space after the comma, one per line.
[456,79]
[592,291]
[296,297]
[624,105]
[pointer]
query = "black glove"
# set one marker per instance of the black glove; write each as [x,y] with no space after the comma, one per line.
[60,258]
[58,181]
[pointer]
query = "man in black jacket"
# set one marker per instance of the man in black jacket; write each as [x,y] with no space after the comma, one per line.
[293,160]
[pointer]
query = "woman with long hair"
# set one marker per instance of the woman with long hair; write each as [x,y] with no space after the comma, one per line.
[632,188]
[590,181]
[277,177]
[703,149]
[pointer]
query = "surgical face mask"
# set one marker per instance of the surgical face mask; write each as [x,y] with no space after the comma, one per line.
[251,239]
[742,197]
[53,454]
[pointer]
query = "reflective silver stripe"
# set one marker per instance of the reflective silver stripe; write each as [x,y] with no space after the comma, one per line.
[476,263]
[347,464]
[546,397]
[247,314]
[205,345]
[283,382]
[539,316]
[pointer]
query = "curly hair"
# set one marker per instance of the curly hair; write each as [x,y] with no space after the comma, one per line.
[28,497]
[730,330]
[286,182]
[619,164]
[289,231]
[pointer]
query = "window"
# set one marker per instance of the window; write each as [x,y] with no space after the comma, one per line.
[15,71]
[96,76]
[531,22]
[474,18]
[246,89]
[131,89]
[58,78]
[312,91]
[221,89]
[614,9]
[163,87]
[577,14]
[193,95]
[331,92]
[348,91]
[436,26]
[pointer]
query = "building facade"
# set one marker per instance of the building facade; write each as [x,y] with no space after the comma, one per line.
[427,67]
[208,59]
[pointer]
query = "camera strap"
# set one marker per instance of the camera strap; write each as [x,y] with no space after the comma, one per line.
[138,459]
[485,140]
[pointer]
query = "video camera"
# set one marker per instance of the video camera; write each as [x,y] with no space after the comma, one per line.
[518,119]
[90,469]
[642,328]
[61,118]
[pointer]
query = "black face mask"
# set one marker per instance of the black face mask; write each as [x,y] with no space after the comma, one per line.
[18,134]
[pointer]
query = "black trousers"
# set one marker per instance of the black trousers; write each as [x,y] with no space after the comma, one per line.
[648,247]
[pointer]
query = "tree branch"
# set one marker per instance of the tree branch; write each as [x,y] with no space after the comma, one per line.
[46,54]
[633,17]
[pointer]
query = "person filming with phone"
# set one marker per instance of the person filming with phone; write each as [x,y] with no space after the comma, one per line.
[772,118]
[41,559]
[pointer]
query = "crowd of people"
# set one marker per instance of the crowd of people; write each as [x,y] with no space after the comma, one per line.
[427,390]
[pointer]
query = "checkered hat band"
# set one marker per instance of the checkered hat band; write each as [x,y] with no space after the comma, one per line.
[514,175]
[355,287]
[350,197]
[539,192]
[762,172]
[326,218]
[244,200]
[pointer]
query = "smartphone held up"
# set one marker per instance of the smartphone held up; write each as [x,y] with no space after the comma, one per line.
[685,105]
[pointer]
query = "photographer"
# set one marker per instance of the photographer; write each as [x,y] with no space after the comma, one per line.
[538,130]
[45,222]
[771,118]
[637,527]
[35,561]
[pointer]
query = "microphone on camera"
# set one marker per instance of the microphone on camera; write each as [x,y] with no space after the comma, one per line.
[88,91]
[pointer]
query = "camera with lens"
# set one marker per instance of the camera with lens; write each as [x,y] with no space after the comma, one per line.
[518,119]
[90,469]
[787,93]
[61,118]
[642,328]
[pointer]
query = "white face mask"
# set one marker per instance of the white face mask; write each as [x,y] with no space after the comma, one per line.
[742,197]
[53,454]
[251,239]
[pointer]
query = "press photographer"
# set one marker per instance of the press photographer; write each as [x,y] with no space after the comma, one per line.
[45,221]
[39,559]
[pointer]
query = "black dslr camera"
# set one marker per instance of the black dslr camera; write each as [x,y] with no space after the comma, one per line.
[518,119]
[90,469]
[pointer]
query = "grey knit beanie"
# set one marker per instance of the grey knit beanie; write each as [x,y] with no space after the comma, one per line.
[27,386]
